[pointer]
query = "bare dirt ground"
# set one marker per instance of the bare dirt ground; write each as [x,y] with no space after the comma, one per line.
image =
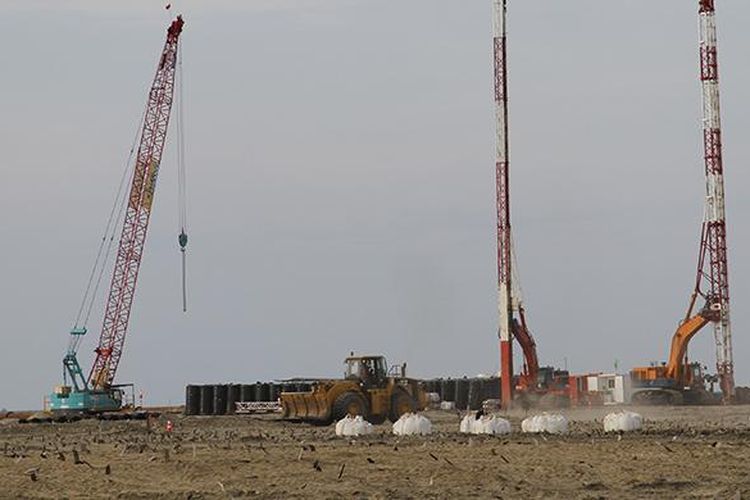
[681,453]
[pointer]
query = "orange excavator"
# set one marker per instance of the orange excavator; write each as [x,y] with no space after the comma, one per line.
[677,381]
[543,386]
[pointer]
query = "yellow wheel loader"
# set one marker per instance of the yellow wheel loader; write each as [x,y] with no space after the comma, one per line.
[368,389]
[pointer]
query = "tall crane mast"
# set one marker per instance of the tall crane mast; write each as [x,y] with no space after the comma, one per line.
[137,214]
[712,281]
[502,164]
[511,312]
[678,379]
[97,392]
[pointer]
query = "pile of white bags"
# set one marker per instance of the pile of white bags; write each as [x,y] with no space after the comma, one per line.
[486,424]
[412,424]
[353,426]
[623,421]
[546,422]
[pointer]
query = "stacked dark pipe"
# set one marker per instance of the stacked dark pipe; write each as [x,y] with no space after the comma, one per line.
[465,393]
[220,399]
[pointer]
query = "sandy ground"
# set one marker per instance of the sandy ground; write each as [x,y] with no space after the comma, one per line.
[681,453]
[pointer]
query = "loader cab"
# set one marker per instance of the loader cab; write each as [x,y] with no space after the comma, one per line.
[372,371]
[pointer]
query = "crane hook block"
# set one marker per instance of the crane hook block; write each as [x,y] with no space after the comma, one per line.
[183,239]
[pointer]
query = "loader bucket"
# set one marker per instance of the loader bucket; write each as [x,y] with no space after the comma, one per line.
[308,406]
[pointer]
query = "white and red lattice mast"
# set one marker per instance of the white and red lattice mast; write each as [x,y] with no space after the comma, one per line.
[504,258]
[712,282]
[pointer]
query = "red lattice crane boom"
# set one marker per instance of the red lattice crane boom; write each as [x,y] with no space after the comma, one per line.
[137,214]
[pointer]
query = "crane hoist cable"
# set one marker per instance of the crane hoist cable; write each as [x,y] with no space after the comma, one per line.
[182,238]
[105,246]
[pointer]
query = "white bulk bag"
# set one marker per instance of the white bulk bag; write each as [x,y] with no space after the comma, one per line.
[623,421]
[412,424]
[492,425]
[546,422]
[467,424]
[486,424]
[353,426]
[447,405]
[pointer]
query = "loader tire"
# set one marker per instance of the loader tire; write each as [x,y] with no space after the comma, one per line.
[401,402]
[350,403]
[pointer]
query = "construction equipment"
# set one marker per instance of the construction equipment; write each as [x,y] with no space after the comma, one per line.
[511,312]
[502,164]
[368,389]
[677,381]
[677,377]
[97,393]
[552,388]
[529,376]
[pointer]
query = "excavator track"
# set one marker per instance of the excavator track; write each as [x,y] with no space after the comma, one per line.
[657,397]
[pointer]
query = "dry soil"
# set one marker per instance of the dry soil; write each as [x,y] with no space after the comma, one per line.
[681,453]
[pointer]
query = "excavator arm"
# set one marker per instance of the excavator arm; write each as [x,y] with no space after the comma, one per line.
[528,346]
[665,384]
[680,341]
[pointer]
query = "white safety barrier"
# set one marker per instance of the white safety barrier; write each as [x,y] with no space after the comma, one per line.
[412,424]
[546,422]
[486,424]
[623,421]
[353,426]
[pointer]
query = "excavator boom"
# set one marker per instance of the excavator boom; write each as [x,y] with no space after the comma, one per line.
[531,362]
[680,341]
[676,381]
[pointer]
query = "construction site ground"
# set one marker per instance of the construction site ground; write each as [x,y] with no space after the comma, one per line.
[682,452]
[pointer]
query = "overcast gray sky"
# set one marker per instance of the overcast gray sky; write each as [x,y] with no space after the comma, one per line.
[341,183]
